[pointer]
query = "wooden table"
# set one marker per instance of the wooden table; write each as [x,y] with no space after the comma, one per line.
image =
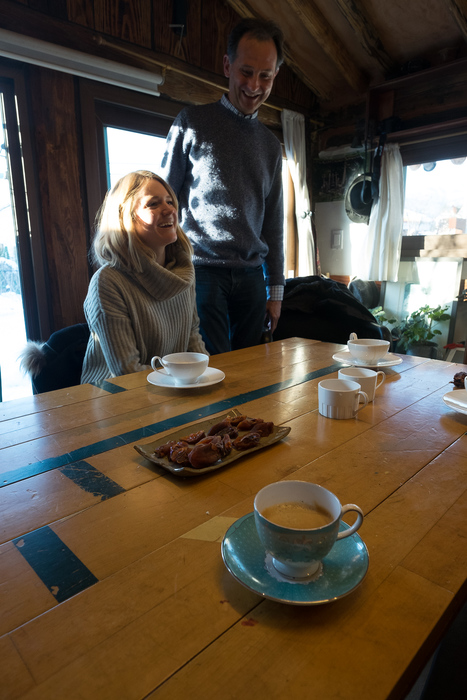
[112,584]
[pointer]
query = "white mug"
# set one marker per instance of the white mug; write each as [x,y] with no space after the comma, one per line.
[368,379]
[297,548]
[184,367]
[339,398]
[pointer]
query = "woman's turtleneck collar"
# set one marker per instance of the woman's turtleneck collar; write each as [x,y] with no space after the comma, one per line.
[163,282]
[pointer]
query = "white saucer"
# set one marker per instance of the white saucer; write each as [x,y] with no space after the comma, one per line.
[457,400]
[210,376]
[388,360]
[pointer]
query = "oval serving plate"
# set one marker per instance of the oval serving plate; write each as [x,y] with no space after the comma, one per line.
[147,450]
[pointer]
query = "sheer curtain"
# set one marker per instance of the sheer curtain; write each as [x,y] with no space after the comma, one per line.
[381,250]
[293,126]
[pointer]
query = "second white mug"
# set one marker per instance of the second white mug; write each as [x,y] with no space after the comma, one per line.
[339,398]
[368,379]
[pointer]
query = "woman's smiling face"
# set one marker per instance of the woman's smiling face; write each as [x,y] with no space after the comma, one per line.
[155,216]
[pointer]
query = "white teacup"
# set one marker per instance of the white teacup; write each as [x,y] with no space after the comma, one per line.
[368,379]
[367,349]
[297,552]
[184,367]
[339,398]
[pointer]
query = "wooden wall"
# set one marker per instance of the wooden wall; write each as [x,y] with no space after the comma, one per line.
[137,32]
[133,32]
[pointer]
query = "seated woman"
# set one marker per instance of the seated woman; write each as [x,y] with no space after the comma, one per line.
[141,301]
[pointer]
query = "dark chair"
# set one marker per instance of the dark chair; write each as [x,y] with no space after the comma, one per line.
[366,291]
[57,363]
[323,309]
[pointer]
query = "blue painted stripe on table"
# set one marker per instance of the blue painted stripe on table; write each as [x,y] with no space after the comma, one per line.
[92,480]
[97,448]
[58,568]
[108,386]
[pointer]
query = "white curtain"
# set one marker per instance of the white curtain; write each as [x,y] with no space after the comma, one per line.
[293,126]
[382,247]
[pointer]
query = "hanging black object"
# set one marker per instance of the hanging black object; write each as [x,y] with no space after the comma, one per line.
[375,176]
[363,191]
[179,13]
[359,200]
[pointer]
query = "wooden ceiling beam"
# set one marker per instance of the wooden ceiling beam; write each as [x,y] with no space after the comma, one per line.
[244,10]
[319,28]
[458,9]
[365,31]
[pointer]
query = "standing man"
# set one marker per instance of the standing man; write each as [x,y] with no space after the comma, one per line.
[226,169]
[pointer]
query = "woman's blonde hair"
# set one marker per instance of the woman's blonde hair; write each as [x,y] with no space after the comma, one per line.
[116,242]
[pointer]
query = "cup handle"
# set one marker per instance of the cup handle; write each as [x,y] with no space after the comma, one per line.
[353,528]
[365,401]
[156,359]
[383,377]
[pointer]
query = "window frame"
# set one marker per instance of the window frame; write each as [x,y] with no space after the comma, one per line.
[30,246]
[108,106]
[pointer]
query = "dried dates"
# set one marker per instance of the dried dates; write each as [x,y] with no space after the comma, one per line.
[199,450]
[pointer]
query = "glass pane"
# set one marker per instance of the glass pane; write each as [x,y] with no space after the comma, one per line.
[13,383]
[436,198]
[129,151]
[285,187]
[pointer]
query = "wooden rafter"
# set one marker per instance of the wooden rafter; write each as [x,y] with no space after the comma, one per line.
[319,28]
[244,10]
[365,31]
[459,11]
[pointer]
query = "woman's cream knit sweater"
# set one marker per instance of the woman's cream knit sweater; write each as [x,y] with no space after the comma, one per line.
[134,316]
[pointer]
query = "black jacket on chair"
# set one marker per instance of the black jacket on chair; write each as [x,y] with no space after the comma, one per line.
[322,309]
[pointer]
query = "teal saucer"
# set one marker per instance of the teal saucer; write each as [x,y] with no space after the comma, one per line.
[343,570]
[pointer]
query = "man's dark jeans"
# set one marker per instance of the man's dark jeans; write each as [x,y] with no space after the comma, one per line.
[231,307]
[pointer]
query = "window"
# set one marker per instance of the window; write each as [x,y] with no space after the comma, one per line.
[130,150]
[436,198]
[290,226]
[21,264]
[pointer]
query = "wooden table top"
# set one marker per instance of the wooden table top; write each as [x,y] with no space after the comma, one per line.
[112,584]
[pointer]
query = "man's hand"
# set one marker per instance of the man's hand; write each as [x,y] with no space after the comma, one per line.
[273,312]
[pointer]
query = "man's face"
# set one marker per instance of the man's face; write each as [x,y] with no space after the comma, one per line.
[251,75]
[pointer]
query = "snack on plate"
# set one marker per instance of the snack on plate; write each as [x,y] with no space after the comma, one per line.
[199,450]
[459,379]
[212,443]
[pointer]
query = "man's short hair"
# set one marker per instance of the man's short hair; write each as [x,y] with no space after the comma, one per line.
[259,29]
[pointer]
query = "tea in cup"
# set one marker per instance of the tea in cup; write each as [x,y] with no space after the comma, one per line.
[298,524]
[183,367]
[367,350]
[339,398]
[368,379]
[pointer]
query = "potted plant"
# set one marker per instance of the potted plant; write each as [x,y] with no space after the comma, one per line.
[380,315]
[414,336]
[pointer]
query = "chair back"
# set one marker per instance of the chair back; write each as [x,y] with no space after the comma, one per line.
[57,363]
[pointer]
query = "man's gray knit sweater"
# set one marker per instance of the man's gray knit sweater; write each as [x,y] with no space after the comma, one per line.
[227,173]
